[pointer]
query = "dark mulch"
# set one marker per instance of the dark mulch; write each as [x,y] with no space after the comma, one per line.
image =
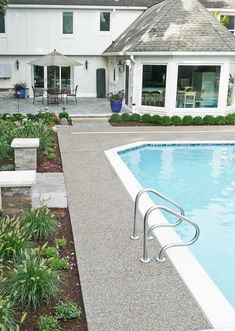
[45,165]
[70,285]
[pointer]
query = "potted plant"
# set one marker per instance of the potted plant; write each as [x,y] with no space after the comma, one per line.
[116,99]
[20,89]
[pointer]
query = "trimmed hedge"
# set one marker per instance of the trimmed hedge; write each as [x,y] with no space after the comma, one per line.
[174,120]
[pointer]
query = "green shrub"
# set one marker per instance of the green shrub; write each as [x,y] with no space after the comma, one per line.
[13,240]
[17,117]
[115,118]
[197,120]
[58,263]
[8,132]
[64,114]
[187,120]
[230,119]
[147,118]
[219,120]
[51,156]
[48,323]
[176,120]
[135,117]
[39,223]
[125,117]
[61,242]
[208,120]
[165,120]
[67,310]
[49,252]
[156,119]
[31,117]
[6,116]
[8,320]
[32,282]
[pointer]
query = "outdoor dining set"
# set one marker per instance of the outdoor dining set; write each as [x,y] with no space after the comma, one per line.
[54,95]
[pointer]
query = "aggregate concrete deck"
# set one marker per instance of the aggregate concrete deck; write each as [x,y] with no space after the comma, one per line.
[119,292]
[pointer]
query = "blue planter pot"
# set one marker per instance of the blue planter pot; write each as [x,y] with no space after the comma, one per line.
[116,105]
[21,93]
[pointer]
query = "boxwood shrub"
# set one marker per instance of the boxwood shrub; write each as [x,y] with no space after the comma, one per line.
[126,117]
[176,120]
[146,118]
[208,120]
[187,120]
[165,120]
[115,118]
[197,120]
[219,120]
[156,119]
[230,119]
[135,117]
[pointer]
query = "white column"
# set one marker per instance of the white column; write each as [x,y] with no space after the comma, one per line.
[171,87]
[223,86]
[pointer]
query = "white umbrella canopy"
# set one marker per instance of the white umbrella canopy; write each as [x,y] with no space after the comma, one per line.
[55,59]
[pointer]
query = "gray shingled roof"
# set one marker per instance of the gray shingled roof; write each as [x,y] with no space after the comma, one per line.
[131,3]
[116,3]
[227,4]
[174,25]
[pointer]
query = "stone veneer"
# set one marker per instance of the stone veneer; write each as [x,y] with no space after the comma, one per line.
[25,151]
[16,190]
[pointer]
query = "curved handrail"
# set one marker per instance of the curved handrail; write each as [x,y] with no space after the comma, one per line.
[134,236]
[145,257]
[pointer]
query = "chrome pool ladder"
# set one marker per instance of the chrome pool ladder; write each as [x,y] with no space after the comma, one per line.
[148,230]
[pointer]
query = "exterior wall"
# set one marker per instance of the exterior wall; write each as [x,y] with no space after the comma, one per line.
[35,32]
[85,79]
[172,63]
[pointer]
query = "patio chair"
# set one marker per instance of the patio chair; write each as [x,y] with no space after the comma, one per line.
[53,96]
[72,93]
[156,98]
[37,94]
[189,99]
[146,98]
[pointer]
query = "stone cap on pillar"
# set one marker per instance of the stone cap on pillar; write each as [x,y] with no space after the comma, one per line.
[25,143]
[22,178]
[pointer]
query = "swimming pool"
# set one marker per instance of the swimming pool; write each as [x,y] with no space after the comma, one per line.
[200,176]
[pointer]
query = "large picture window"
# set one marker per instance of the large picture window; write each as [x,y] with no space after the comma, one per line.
[105,21]
[198,86]
[154,85]
[67,23]
[2,24]
[38,76]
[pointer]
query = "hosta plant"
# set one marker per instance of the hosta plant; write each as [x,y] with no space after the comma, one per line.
[67,310]
[32,282]
[39,223]
[48,323]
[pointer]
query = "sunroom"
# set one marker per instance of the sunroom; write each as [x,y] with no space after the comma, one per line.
[176,59]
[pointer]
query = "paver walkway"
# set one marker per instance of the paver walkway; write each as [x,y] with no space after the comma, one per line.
[119,292]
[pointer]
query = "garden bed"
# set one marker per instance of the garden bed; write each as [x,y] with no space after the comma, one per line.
[70,286]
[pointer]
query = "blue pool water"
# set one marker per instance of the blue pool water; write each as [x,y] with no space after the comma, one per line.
[201,178]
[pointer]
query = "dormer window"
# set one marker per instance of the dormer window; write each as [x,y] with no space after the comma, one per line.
[105,21]
[67,23]
[2,24]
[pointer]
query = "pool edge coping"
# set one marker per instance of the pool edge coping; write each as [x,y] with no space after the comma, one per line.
[217,309]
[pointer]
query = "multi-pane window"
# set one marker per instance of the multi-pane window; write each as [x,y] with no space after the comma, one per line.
[67,23]
[104,21]
[2,24]
[228,21]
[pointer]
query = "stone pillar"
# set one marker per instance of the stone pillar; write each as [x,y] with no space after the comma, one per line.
[16,187]
[25,151]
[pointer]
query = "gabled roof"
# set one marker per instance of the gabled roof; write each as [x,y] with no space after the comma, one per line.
[106,3]
[176,26]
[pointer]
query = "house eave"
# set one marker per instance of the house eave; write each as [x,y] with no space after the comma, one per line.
[176,53]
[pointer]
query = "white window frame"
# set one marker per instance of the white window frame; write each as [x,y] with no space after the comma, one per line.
[4,34]
[67,35]
[108,33]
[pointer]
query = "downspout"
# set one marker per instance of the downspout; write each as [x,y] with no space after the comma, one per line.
[133,61]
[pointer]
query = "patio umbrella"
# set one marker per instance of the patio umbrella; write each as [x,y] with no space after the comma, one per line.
[55,59]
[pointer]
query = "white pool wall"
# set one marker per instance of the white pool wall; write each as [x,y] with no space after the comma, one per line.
[216,307]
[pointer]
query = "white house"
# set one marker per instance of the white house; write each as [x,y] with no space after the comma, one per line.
[135,42]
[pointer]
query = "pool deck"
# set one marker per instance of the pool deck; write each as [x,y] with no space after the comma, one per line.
[119,292]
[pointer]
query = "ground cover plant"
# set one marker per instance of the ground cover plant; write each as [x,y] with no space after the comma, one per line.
[147,119]
[29,283]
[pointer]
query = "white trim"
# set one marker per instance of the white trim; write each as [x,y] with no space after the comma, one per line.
[167,53]
[221,10]
[216,307]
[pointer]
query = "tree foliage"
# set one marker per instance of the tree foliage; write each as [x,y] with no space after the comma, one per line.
[3,4]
